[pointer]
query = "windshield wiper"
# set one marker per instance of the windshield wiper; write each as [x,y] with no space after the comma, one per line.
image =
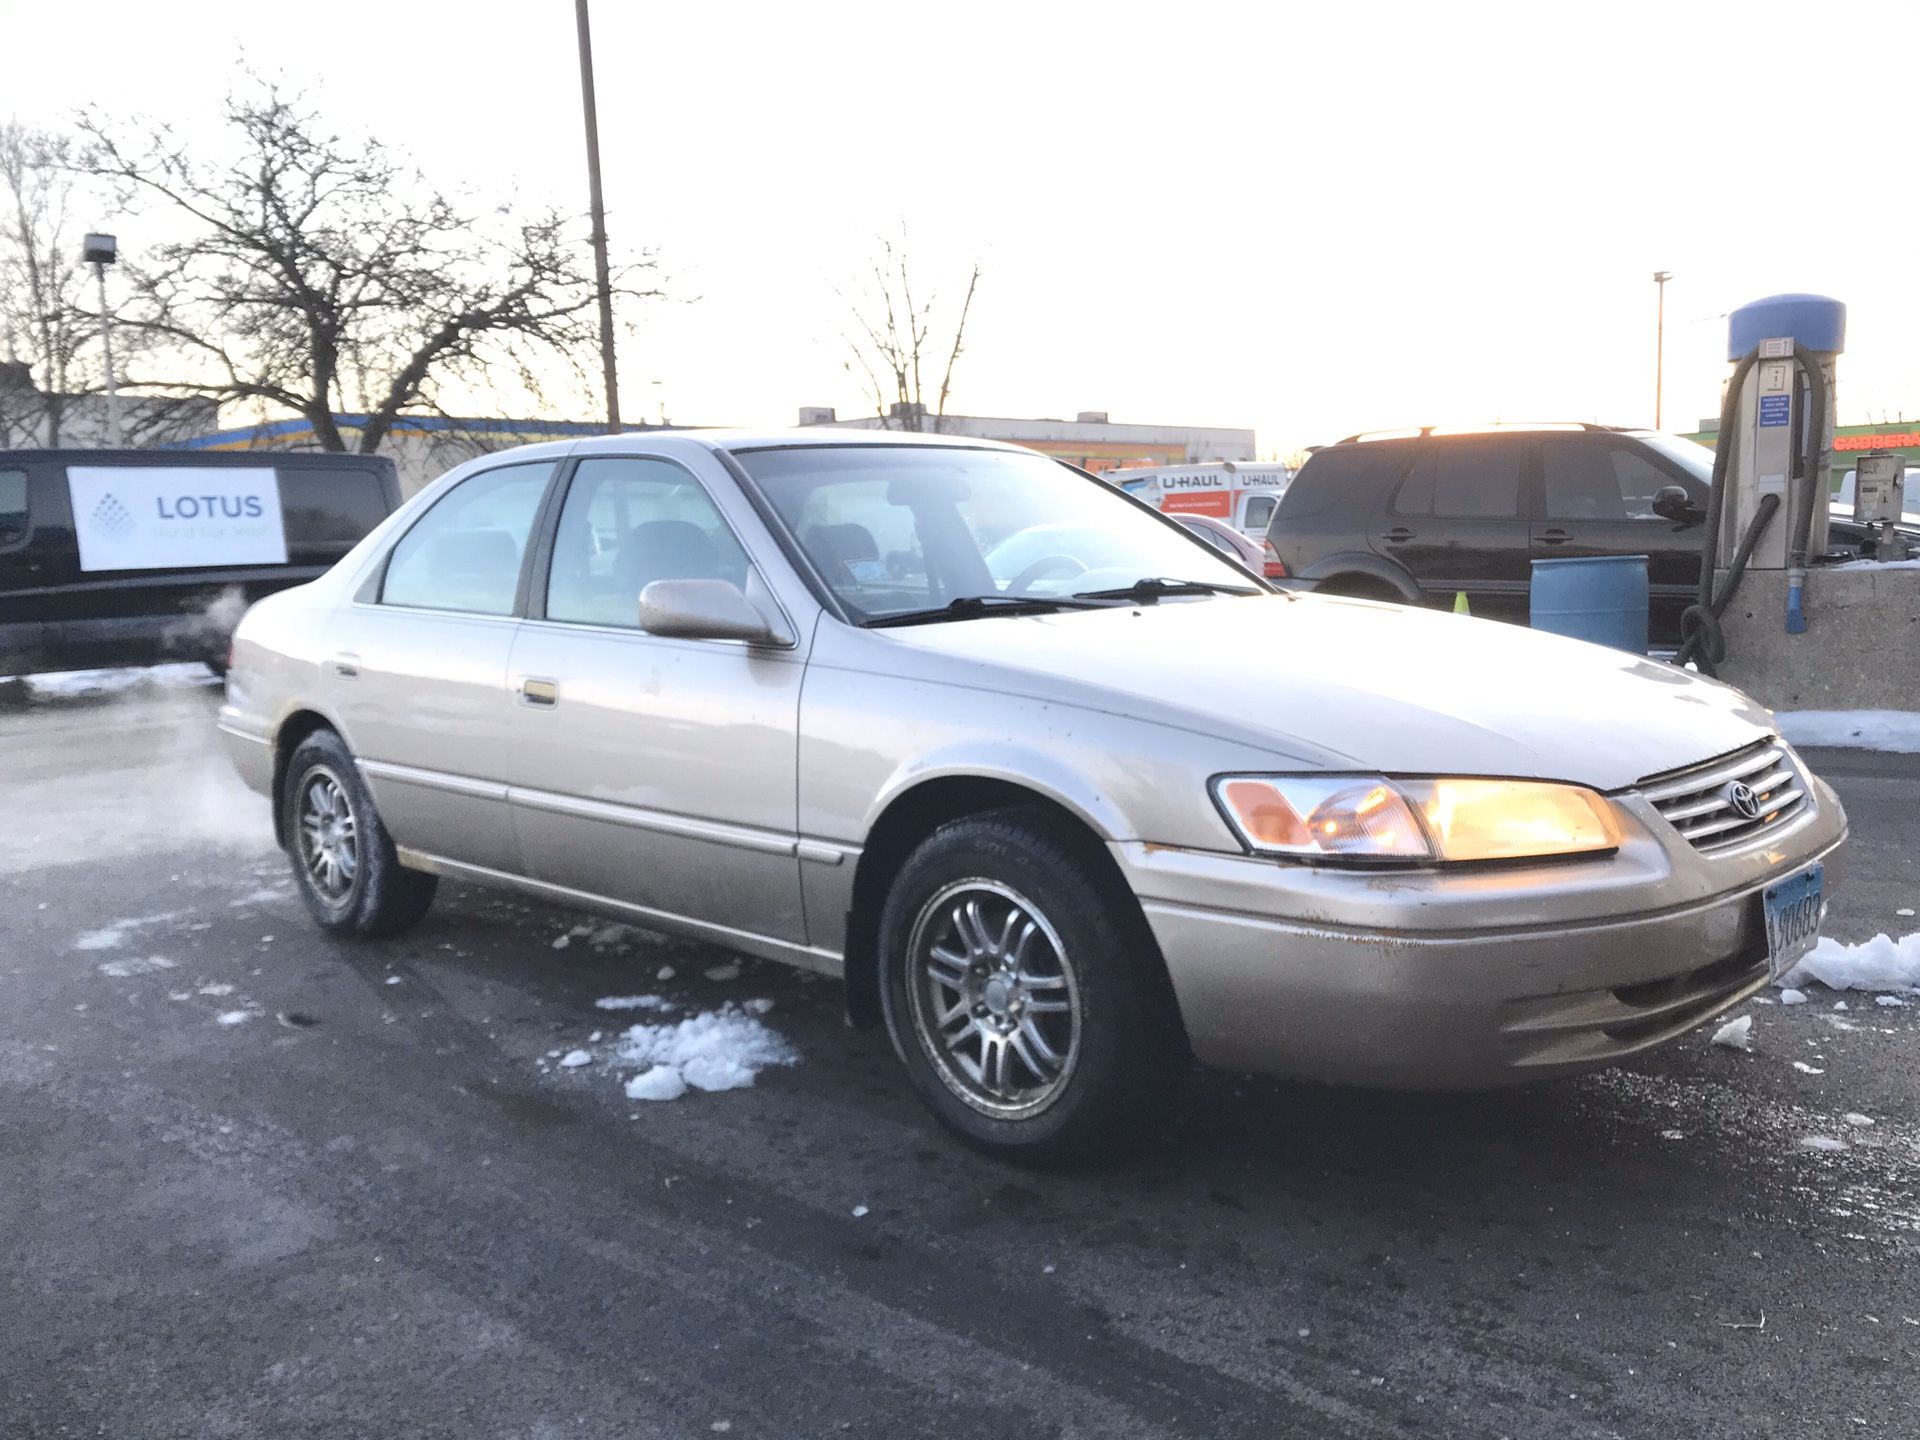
[1150,588]
[972,607]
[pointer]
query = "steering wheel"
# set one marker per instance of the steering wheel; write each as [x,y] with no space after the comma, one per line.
[1046,565]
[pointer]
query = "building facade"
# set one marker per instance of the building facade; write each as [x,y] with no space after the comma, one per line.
[422,447]
[32,419]
[1900,436]
[1090,440]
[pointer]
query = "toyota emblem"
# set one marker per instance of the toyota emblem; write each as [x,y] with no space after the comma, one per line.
[1741,797]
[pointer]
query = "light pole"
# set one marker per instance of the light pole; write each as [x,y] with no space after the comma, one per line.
[1660,278]
[599,214]
[101,251]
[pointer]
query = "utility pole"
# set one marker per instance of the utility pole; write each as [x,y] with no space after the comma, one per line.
[101,251]
[1660,278]
[599,213]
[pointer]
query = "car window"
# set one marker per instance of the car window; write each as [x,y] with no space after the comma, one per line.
[1463,482]
[1259,511]
[13,505]
[464,554]
[329,511]
[1361,471]
[1213,538]
[1586,481]
[893,529]
[627,522]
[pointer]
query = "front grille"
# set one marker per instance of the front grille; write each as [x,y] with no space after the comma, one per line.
[1699,801]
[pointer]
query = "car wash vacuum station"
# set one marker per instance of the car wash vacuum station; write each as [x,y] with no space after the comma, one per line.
[1776,614]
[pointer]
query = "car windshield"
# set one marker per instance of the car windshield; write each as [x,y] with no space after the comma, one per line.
[900,529]
[1696,460]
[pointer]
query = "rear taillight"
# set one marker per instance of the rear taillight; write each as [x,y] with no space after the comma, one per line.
[1272,567]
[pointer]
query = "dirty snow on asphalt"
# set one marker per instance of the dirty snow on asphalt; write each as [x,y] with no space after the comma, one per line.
[67,683]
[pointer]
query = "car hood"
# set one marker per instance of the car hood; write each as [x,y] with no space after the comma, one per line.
[1339,683]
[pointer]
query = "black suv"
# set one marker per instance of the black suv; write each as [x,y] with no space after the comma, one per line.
[128,557]
[1423,516]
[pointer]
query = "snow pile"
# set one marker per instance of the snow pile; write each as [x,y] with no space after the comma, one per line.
[1881,963]
[662,1082]
[1853,729]
[633,1002]
[1734,1034]
[1879,565]
[716,1050]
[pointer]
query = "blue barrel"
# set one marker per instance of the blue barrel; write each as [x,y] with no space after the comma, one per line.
[1602,598]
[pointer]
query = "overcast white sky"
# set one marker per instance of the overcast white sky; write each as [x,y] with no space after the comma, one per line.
[1309,222]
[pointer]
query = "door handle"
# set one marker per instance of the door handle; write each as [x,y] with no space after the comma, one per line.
[1399,535]
[544,693]
[1554,537]
[346,666]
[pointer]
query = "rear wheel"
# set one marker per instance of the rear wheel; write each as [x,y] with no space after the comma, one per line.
[1359,587]
[344,862]
[1023,992]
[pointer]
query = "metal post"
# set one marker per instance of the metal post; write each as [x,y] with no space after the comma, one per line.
[599,214]
[106,346]
[1660,278]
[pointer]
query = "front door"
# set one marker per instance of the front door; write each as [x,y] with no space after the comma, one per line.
[655,771]
[1458,523]
[1597,499]
[416,669]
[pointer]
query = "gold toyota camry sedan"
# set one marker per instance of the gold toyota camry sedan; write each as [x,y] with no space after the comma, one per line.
[1060,792]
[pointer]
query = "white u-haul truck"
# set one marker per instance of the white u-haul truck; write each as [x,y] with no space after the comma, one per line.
[1240,493]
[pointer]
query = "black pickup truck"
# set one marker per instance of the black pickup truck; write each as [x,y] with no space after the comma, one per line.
[134,557]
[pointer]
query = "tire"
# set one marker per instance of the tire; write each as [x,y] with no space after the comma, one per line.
[1067,1041]
[1360,587]
[343,859]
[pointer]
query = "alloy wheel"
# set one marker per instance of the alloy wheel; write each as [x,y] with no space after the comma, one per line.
[994,1000]
[329,835]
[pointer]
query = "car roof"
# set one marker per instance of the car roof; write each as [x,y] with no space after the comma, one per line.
[797,437]
[1497,427]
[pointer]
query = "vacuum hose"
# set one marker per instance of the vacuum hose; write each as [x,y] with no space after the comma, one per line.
[1703,641]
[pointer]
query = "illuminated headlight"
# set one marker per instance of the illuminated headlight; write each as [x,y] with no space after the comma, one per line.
[1367,817]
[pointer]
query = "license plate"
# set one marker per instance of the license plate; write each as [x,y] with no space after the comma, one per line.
[1793,907]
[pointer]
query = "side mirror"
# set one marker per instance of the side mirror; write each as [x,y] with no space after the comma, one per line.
[1671,502]
[703,610]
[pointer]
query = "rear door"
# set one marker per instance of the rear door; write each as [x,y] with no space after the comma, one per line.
[416,667]
[1597,499]
[1459,522]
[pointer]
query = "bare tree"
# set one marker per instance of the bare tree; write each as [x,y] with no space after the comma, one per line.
[45,324]
[327,276]
[899,339]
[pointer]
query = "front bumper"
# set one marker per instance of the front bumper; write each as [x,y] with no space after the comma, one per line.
[1465,979]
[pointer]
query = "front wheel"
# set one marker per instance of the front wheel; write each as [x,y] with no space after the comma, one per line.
[1023,992]
[343,859]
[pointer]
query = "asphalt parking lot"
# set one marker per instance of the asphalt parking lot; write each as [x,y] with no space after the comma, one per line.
[375,1203]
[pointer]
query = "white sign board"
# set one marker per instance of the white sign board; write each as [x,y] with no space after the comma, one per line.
[155,517]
